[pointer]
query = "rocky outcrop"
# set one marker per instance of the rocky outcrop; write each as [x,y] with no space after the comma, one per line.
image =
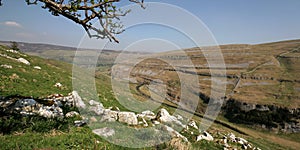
[266,116]
[50,107]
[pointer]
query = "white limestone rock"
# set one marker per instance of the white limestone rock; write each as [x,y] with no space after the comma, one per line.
[193,124]
[128,117]
[58,85]
[205,136]
[164,117]
[37,67]
[109,115]
[24,61]
[6,66]
[78,101]
[72,114]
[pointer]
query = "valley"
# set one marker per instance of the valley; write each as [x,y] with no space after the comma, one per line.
[260,87]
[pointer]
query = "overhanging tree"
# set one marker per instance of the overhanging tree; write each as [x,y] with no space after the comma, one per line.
[85,12]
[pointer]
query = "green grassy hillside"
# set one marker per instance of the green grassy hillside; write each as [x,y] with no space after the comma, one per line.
[25,80]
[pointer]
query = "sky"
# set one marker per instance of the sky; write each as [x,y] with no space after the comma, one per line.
[227,21]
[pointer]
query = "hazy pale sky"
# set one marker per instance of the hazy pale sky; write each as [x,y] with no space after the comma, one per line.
[230,21]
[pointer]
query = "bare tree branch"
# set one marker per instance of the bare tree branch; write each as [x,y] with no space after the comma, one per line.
[86,12]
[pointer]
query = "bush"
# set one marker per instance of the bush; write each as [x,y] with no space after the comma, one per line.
[14,45]
[17,123]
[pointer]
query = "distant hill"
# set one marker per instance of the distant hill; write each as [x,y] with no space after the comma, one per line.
[36,47]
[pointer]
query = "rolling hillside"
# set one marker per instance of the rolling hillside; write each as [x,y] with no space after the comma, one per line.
[245,63]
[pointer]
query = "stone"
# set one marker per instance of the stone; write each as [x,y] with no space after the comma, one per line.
[193,124]
[156,122]
[205,136]
[25,102]
[231,137]
[72,114]
[99,109]
[145,122]
[37,67]
[12,51]
[79,123]
[104,132]
[58,85]
[78,101]
[164,116]
[148,115]
[24,61]
[174,133]
[241,141]
[179,117]
[109,115]
[148,112]
[6,66]
[128,117]
[50,111]
[94,103]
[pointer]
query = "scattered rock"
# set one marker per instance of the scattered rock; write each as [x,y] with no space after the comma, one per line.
[24,61]
[148,115]
[109,115]
[99,109]
[241,140]
[105,132]
[205,136]
[14,76]
[156,122]
[231,137]
[37,67]
[72,114]
[12,51]
[145,122]
[164,116]
[51,112]
[128,117]
[179,117]
[58,85]
[79,123]
[6,66]
[193,124]
[78,101]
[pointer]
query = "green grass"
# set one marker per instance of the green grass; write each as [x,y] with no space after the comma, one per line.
[26,81]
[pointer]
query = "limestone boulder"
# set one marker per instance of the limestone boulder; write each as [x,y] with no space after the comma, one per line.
[128,117]
[205,136]
[24,61]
